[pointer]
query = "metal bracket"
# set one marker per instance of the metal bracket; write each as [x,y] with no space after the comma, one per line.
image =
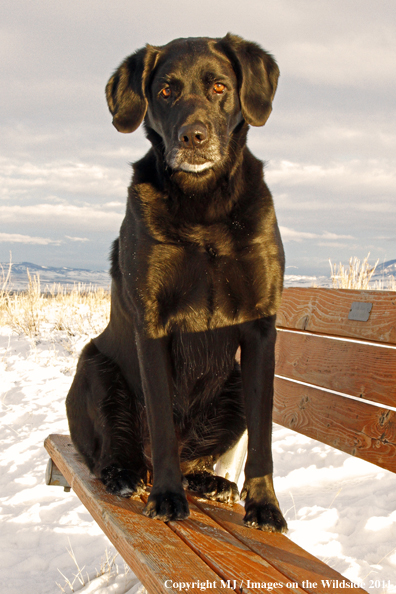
[360,311]
[53,476]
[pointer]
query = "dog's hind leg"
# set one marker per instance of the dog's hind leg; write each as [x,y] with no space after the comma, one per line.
[217,429]
[105,420]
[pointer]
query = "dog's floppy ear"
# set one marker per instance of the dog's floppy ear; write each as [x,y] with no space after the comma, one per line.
[257,74]
[125,91]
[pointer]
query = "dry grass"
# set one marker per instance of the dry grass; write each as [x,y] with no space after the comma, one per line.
[57,320]
[77,310]
[108,568]
[358,275]
[83,310]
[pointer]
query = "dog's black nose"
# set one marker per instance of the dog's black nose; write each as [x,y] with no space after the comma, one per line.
[193,135]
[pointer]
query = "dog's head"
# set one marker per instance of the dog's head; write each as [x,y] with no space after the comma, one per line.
[193,94]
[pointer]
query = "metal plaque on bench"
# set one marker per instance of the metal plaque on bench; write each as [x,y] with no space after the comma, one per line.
[360,311]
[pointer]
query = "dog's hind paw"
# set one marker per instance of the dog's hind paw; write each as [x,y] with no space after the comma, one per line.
[122,482]
[167,506]
[213,487]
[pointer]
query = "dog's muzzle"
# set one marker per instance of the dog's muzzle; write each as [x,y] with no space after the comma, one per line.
[196,151]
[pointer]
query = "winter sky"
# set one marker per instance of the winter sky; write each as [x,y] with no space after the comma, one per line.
[329,145]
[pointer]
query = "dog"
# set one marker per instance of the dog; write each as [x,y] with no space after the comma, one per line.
[197,272]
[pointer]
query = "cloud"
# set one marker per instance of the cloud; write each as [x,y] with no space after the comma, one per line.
[371,175]
[80,239]
[18,238]
[114,205]
[294,235]
[73,178]
[88,217]
[321,61]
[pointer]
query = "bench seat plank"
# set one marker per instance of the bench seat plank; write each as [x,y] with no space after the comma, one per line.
[325,311]
[359,369]
[357,428]
[227,555]
[281,552]
[151,549]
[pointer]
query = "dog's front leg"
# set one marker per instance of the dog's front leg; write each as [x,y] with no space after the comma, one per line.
[167,500]
[258,366]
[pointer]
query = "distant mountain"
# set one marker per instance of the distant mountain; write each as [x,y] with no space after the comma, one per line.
[386,268]
[52,274]
[101,278]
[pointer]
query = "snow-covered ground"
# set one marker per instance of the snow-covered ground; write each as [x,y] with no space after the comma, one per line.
[339,508]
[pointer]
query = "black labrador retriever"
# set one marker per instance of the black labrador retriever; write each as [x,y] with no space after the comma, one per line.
[197,272]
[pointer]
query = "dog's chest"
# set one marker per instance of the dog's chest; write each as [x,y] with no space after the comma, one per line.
[209,282]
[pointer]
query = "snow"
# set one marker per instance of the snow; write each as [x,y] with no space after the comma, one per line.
[339,508]
[294,280]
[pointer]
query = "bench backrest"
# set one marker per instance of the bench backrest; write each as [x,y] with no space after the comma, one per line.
[336,370]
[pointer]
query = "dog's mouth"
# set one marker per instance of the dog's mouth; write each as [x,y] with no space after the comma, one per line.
[192,161]
[195,167]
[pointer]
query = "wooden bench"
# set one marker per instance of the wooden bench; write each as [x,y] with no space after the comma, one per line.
[343,344]
[334,349]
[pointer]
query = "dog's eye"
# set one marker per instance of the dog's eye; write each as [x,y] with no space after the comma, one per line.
[166,92]
[218,88]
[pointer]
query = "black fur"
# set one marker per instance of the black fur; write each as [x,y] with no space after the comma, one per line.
[197,272]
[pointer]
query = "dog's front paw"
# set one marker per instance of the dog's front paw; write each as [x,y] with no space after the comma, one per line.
[261,506]
[213,487]
[167,506]
[264,516]
[122,482]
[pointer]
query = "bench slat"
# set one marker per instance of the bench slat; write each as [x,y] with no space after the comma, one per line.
[359,369]
[326,311]
[227,555]
[293,561]
[357,428]
[149,547]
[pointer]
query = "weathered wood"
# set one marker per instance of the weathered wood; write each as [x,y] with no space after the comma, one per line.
[227,555]
[357,428]
[326,311]
[359,369]
[278,550]
[152,550]
[212,547]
